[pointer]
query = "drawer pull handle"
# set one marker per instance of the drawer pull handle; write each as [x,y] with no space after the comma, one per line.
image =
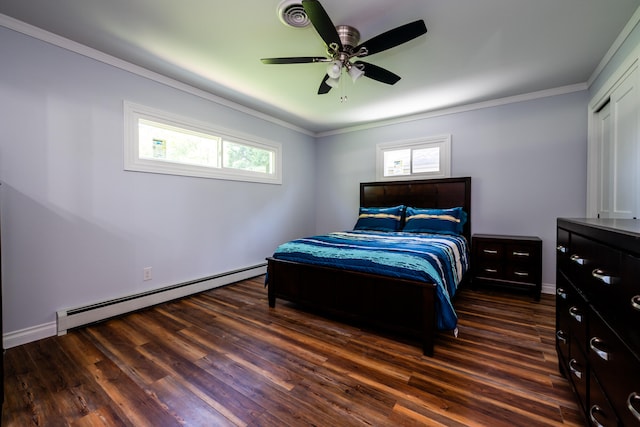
[561,293]
[515,253]
[593,344]
[490,251]
[634,397]
[521,273]
[574,370]
[575,313]
[603,277]
[635,302]
[592,414]
[491,270]
[562,249]
[578,260]
[562,337]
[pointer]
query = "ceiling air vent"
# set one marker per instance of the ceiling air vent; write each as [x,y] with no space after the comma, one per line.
[292,14]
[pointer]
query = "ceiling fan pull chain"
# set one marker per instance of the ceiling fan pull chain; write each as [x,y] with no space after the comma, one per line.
[343,90]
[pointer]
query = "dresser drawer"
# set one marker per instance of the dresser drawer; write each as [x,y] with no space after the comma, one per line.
[616,367]
[563,245]
[577,313]
[626,318]
[579,374]
[600,412]
[596,269]
[582,254]
[564,294]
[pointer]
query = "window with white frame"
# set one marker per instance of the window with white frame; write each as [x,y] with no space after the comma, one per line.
[414,159]
[161,142]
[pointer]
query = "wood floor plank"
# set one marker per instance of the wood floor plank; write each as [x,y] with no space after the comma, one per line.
[235,406]
[101,417]
[223,357]
[131,402]
[122,352]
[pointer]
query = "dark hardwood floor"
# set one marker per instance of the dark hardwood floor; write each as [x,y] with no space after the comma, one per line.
[224,358]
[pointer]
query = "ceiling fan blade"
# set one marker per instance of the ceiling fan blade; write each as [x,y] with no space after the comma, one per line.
[295,60]
[321,22]
[324,87]
[393,38]
[378,73]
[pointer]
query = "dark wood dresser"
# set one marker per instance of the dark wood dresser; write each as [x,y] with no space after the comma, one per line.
[1,341]
[598,316]
[512,261]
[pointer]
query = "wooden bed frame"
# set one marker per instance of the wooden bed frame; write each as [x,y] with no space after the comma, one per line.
[401,306]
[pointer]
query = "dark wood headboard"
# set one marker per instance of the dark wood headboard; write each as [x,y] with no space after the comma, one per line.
[428,193]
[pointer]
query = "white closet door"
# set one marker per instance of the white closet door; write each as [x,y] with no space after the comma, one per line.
[605,201]
[619,154]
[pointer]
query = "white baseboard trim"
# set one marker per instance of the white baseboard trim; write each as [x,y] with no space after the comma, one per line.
[548,288]
[27,335]
[35,333]
[73,318]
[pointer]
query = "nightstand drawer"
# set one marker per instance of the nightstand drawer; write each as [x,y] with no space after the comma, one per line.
[522,253]
[488,250]
[524,274]
[490,269]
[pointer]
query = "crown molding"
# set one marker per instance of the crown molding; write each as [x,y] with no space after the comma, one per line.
[622,37]
[463,108]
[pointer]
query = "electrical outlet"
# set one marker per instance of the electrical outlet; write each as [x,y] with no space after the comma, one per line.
[146,273]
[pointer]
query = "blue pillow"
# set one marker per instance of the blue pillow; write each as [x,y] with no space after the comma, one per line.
[443,221]
[380,219]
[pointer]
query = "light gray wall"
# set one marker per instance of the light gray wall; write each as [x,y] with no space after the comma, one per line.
[527,162]
[77,228]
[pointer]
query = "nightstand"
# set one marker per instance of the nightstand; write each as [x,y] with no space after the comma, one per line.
[509,261]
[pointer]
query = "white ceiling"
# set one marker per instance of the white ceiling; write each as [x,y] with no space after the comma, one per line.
[474,50]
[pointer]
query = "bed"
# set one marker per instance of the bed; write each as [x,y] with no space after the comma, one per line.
[404,304]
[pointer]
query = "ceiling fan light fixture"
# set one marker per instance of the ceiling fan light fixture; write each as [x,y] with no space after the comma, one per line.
[334,69]
[355,73]
[333,82]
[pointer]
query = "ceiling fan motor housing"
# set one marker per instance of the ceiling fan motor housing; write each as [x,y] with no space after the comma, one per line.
[349,36]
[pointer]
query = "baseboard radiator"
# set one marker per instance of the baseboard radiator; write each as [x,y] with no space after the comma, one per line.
[82,316]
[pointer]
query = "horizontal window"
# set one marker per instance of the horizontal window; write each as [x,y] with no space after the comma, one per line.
[160,142]
[414,159]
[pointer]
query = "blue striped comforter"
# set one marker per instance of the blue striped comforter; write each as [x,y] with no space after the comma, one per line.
[431,258]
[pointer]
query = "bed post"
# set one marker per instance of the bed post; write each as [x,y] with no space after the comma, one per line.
[428,320]
[271,294]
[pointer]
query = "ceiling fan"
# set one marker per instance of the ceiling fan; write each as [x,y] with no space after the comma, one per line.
[342,46]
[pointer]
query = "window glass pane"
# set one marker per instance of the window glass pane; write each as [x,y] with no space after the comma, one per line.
[426,160]
[247,157]
[419,158]
[163,142]
[397,162]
